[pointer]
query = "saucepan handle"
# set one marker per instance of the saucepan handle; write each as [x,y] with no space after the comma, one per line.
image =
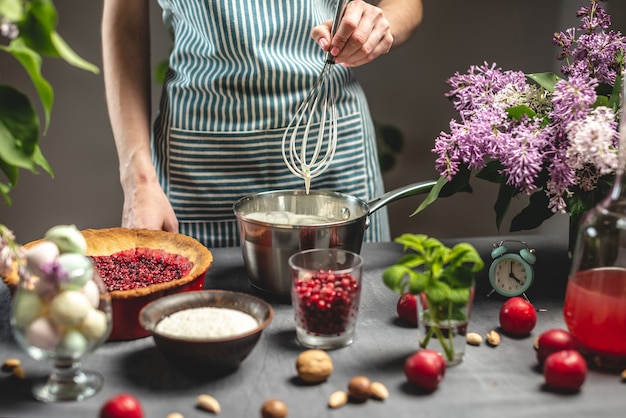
[399,193]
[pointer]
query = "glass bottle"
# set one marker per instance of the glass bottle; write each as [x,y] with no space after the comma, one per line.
[595,300]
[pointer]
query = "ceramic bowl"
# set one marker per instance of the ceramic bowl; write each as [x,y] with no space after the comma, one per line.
[206,354]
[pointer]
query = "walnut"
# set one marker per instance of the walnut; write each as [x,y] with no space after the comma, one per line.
[314,366]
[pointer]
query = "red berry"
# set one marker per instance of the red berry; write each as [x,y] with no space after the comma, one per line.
[122,405]
[425,369]
[565,370]
[554,340]
[140,267]
[326,303]
[517,316]
[407,308]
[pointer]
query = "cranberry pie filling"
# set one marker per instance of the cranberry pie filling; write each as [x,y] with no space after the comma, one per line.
[140,267]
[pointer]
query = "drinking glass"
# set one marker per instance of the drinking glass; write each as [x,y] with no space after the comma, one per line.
[325,295]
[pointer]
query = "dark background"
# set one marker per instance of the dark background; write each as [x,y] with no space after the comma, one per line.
[406,90]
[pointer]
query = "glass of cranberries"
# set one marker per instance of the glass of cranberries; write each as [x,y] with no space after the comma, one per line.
[325,296]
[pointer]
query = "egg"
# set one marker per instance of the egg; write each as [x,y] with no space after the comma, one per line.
[95,325]
[39,255]
[73,344]
[28,307]
[68,238]
[91,292]
[78,268]
[41,333]
[69,308]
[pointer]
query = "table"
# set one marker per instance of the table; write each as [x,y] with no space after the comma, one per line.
[490,382]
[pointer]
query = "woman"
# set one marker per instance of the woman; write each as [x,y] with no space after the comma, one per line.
[237,72]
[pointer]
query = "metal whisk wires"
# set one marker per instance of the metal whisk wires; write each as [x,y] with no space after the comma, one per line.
[307,153]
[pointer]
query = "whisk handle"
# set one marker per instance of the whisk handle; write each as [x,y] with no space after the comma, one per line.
[341,6]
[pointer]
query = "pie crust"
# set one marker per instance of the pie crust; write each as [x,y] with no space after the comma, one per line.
[103,242]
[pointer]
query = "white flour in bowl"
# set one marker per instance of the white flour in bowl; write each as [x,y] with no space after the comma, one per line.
[206,323]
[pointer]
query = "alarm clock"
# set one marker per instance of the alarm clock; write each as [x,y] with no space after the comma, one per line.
[511,273]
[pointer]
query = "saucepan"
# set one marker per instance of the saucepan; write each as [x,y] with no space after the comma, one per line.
[274,225]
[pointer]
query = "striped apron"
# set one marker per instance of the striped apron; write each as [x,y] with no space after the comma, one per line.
[237,73]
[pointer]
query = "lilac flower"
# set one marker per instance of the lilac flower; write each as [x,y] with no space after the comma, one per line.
[572,99]
[593,142]
[10,251]
[8,29]
[523,155]
[555,137]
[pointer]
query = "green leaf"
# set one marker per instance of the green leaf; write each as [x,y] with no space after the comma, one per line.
[517,112]
[546,80]
[4,191]
[394,277]
[460,277]
[71,57]
[418,283]
[459,297]
[464,253]
[437,293]
[614,99]
[533,214]
[491,172]
[13,10]
[19,129]
[159,72]
[31,61]
[432,195]
[40,21]
[445,188]
[503,202]
[38,31]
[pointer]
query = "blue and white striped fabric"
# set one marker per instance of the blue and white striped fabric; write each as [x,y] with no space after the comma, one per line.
[237,73]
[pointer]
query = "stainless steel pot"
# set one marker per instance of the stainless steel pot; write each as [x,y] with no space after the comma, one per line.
[334,220]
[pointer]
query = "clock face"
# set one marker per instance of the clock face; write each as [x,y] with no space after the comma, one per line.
[510,275]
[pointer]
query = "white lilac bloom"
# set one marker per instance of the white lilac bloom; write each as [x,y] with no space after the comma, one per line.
[8,29]
[593,141]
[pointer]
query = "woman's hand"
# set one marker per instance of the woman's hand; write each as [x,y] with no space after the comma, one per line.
[367,31]
[363,34]
[146,206]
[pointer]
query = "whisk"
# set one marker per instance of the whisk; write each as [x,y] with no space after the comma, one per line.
[318,107]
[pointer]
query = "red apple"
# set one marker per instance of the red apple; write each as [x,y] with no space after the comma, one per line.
[517,317]
[407,308]
[122,405]
[554,340]
[425,369]
[565,370]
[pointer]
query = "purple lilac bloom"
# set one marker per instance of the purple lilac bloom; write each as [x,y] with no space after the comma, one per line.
[561,177]
[572,100]
[522,155]
[477,87]
[595,53]
[594,17]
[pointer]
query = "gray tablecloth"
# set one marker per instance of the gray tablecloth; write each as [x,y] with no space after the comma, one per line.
[490,382]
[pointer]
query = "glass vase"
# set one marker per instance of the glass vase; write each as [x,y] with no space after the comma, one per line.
[61,323]
[595,300]
[443,326]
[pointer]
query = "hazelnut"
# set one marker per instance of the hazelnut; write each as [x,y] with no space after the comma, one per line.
[274,408]
[359,388]
[314,366]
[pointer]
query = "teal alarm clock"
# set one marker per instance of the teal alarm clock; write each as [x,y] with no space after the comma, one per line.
[511,273]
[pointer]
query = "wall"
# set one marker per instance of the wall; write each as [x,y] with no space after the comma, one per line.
[406,89]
